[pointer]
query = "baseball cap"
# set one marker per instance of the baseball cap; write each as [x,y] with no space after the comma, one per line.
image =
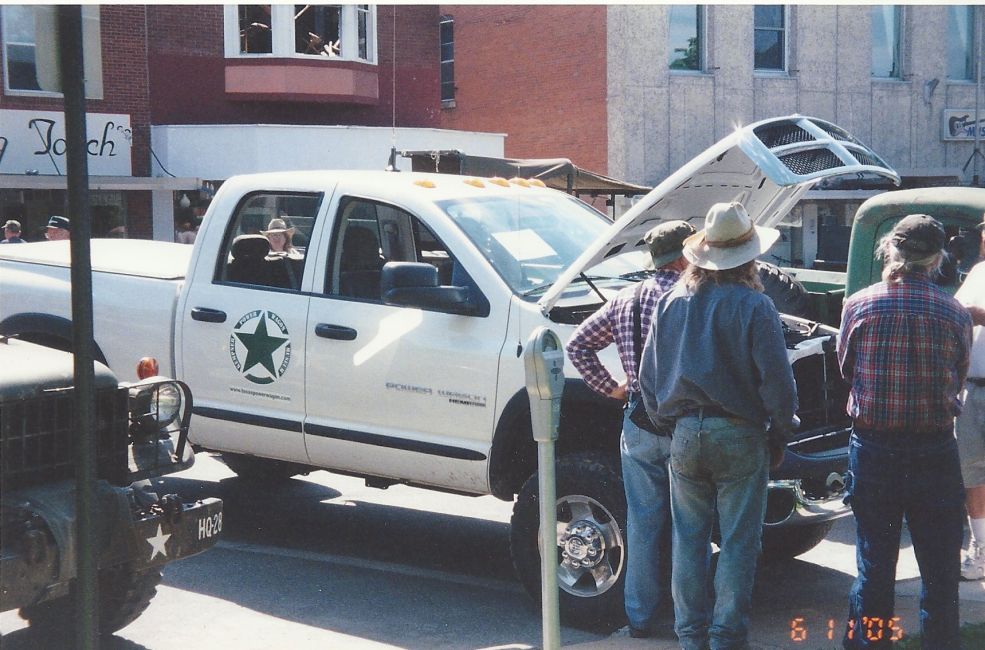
[13,225]
[918,235]
[666,241]
[59,222]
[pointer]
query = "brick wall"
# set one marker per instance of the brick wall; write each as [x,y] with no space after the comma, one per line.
[536,73]
[187,71]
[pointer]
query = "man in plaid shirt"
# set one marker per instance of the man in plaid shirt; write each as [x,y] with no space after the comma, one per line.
[904,349]
[644,454]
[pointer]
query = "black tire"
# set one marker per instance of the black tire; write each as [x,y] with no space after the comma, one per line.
[787,542]
[262,470]
[788,294]
[590,491]
[124,594]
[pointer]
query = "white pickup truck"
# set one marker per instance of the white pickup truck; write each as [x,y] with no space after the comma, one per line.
[389,345]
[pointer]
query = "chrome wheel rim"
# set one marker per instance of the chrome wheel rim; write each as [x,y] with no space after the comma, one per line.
[590,547]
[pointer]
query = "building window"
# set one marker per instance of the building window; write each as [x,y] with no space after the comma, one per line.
[887,24]
[685,36]
[446,36]
[770,37]
[32,70]
[331,31]
[960,42]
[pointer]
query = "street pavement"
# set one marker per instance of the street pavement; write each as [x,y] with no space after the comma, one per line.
[327,563]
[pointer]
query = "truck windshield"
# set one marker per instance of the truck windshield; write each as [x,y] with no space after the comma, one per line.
[529,240]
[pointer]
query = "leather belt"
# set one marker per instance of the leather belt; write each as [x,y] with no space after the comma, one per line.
[976,381]
[706,412]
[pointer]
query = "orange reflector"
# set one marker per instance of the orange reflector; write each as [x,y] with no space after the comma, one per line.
[147,367]
[427,184]
[522,182]
[537,182]
[502,182]
[474,182]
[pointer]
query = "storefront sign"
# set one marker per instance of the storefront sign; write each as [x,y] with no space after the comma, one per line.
[960,124]
[33,142]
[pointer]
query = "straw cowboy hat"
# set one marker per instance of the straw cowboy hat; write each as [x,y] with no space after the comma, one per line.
[278,226]
[729,239]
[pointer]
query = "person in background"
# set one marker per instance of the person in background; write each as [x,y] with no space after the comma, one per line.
[186,233]
[969,426]
[644,453]
[716,362]
[59,228]
[12,232]
[280,237]
[904,351]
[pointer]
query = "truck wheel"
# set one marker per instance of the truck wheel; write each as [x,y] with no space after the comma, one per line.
[788,542]
[590,544]
[788,294]
[124,594]
[261,470]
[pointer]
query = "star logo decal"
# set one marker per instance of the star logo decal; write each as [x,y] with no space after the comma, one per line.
[263,354]
[158,543]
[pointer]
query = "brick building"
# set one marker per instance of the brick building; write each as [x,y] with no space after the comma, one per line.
[180,97]
[635,91]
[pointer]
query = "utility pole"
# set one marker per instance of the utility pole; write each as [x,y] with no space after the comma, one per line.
[69,37]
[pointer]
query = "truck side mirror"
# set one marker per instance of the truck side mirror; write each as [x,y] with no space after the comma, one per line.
[415,284]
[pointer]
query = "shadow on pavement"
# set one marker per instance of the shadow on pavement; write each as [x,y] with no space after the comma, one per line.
[32,639]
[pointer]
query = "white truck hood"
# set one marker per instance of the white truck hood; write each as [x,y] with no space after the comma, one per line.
[767,166]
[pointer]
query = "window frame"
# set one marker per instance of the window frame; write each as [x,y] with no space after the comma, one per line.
[784,31]
[970,61]
[701,12]
[899,24]
[449,100]
[282,35]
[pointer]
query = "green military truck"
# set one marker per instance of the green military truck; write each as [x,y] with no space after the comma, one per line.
[140,434]
[960,209]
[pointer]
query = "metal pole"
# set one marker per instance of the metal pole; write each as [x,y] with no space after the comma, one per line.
[550,614]
[978,92]
[73,87]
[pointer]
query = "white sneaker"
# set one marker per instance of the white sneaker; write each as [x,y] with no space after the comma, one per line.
[973,566]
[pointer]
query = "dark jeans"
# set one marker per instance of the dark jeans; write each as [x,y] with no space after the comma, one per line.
[917,477]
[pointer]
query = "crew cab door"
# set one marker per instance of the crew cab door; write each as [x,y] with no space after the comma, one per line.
[398,391]
[242,342]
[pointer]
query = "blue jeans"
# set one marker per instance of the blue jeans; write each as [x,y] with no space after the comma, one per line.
[917,477]
[723,464]
[644,474]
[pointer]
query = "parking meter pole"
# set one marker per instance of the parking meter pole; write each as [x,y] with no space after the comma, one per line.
[543,362]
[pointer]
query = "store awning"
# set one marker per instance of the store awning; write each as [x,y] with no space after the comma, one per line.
[124,183]
[558,173]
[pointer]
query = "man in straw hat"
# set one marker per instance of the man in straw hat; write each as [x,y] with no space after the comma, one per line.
[716,363]
[280,236]
[969,426]
[625,320]
[903,348]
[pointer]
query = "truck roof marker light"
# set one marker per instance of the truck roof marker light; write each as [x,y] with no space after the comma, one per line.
[536,182]
[147,367]
[522,182]
[425,183]
[474,182]
[497,180]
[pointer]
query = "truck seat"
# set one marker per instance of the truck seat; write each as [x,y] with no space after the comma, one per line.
[248,265]
[360,264]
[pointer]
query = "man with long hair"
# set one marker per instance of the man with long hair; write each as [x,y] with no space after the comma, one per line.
[716,362]
[904,349]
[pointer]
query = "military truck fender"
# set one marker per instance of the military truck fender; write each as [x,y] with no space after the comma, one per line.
[44,329]
[588,422]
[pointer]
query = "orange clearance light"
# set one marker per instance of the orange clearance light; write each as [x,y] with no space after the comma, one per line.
[502,182]
[522,182]
[147,367]
[536,182]
[423,183]
[474,182]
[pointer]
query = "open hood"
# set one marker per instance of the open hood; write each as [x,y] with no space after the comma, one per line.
[767,166]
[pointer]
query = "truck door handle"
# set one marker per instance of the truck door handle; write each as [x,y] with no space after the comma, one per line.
[207,315]
[338,332]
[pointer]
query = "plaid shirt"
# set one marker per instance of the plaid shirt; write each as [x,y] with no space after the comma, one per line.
[613,323]
[904,348]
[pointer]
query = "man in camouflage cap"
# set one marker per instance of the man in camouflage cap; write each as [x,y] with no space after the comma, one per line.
[623,321]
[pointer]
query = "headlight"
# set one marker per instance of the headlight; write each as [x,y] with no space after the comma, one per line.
[155,406]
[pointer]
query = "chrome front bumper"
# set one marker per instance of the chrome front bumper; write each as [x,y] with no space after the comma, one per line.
[789,505]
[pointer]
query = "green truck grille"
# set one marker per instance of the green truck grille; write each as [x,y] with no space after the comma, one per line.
[37,438]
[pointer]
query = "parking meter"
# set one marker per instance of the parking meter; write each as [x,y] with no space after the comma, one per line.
[543,361]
